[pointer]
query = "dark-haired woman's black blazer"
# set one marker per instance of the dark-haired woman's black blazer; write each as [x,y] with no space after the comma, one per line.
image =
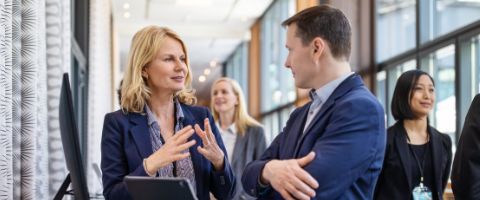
[395,179]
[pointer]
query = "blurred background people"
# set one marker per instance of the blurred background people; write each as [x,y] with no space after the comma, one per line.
[417,155]
[153,132]
[243,136]
[466,165]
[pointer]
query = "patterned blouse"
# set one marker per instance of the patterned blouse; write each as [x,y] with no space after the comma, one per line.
[184,168]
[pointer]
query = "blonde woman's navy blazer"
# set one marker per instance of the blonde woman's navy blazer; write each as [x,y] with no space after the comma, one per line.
[126,142]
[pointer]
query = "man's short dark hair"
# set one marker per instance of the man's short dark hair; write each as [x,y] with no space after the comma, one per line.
[326,22]
[403,93]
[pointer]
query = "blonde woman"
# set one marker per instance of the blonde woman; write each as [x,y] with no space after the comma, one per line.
[157,132]
[243,136]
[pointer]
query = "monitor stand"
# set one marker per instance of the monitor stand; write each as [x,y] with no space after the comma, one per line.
[63,188]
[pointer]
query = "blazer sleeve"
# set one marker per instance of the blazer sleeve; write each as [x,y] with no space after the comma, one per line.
[353,141]
[253,171]
[448,147]
[114,163]
[223,182]
[466,165]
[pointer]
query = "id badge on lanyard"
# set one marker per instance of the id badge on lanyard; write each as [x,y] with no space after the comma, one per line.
[421,192]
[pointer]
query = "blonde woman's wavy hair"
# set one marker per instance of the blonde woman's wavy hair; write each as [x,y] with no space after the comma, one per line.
[144,48]
[241,118]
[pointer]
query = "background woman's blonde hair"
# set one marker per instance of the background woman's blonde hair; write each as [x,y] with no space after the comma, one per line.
[144,48]
[241,118]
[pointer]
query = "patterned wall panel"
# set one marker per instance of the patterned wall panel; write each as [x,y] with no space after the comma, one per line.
[100,96]
[6,182]
[29,53]
[55,31]
[26,84]
[41,164]
[16,97]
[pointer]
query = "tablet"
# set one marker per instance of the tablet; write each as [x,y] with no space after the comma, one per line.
[154,188]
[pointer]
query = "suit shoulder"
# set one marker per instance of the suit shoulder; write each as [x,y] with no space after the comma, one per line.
[193,108]
[444,137]
[255,129]
[199,113]
[118,114]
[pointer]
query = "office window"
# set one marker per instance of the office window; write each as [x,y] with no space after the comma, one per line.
[440,65]
[393,74]
[237,67]
[274,122]
[395,19]
[438,17]
[470,73]
[277,83]
[380,92]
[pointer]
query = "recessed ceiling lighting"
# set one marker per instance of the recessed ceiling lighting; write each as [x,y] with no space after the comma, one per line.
[126,15]
[126,6]
[206,71]
[213,63]
[202,78]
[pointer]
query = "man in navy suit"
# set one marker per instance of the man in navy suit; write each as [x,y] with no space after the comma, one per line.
[333,147]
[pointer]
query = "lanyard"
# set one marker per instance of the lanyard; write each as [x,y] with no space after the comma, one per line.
[420,166]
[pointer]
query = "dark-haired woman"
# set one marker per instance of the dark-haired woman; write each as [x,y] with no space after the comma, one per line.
[417,159]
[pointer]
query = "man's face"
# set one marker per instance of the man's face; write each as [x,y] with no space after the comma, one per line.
[300,59]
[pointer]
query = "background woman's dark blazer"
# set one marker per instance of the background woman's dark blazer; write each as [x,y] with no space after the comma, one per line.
[466,165]
[126,142]
[395,179]
[247,148]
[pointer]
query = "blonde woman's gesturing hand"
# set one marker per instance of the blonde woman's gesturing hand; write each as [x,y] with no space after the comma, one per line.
[175,148]
[210,148]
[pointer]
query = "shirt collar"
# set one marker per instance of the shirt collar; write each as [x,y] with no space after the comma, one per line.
[326,90]
[231,129]
[179,115]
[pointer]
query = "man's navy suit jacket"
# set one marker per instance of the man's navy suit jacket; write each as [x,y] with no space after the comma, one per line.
[126,142]
[348,137]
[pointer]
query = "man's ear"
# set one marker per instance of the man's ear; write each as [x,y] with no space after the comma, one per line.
[318,46]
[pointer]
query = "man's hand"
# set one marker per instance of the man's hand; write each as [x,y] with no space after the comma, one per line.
[289,178]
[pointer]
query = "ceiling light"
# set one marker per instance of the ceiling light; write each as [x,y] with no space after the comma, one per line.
[213,63]
[126,6]
[202,78]
[206,72]
[126,15]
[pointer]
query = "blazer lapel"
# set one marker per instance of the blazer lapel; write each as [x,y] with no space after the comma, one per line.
[237,151]
[140,133]
[349,83]
[296,132]
[437,159]
[403,151]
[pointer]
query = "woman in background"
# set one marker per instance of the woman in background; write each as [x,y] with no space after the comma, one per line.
[153,132]
[417,155]
[242,135]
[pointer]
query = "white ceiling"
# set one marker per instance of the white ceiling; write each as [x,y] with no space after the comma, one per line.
[211,29]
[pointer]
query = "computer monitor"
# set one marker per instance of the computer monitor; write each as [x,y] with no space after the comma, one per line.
[71,146]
